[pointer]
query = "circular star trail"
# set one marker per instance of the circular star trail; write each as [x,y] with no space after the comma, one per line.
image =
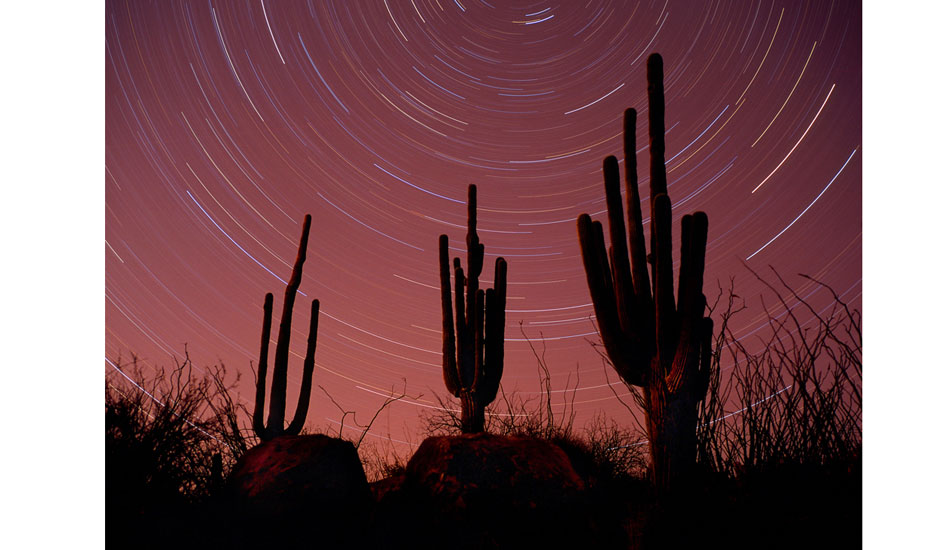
[227,122]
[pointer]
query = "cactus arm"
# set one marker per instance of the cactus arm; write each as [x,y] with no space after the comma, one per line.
[258,418]
[656,117]
[306,383]
[450,373]
[462,344]
[697,253]
[663,279]
[604,300]
[598,277]
[638,255]
[495,301]
[488,383]
[619,259]
[687,352]
[701,383]
[686,258]
[501,288]
[692,303]
[695,228]
[479,338]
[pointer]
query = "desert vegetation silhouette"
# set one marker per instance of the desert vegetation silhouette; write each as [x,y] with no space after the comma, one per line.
[771,436]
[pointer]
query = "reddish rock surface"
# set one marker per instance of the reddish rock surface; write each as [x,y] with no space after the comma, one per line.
[460,469]
[299,467]
[293,487]
[385,486]
[487,491]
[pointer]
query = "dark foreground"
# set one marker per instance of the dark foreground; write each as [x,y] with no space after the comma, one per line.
[487,491]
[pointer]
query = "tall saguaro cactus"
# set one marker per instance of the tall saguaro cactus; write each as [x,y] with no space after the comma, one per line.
[278,396]
[473,361]
[654,341]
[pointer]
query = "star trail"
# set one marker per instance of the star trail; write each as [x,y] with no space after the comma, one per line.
[228,121]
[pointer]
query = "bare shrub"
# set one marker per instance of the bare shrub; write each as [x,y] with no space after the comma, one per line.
[380,460]
[618,450]
[514,415]
[796,399]
[163,432]
[603,448]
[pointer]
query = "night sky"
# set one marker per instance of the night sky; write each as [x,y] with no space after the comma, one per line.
[227,122]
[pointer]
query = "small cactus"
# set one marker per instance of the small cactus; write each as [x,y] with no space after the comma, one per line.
[278,397]
[472,362]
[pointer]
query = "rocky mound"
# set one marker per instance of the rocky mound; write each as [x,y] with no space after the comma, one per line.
[300,489]
[487,491]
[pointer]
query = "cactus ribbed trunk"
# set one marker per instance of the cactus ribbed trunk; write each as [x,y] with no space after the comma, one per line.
[671,427]
[473,414]
[656,340]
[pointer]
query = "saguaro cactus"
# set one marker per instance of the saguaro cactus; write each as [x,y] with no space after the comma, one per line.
[278,394]
[472,363]
[655,342]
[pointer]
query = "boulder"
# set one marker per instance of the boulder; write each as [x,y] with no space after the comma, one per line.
[488,491]
[383,487]
[300,489]
[464,469]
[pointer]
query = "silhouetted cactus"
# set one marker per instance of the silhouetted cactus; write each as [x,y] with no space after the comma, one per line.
[278,395]
[472,363]
[654,342]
